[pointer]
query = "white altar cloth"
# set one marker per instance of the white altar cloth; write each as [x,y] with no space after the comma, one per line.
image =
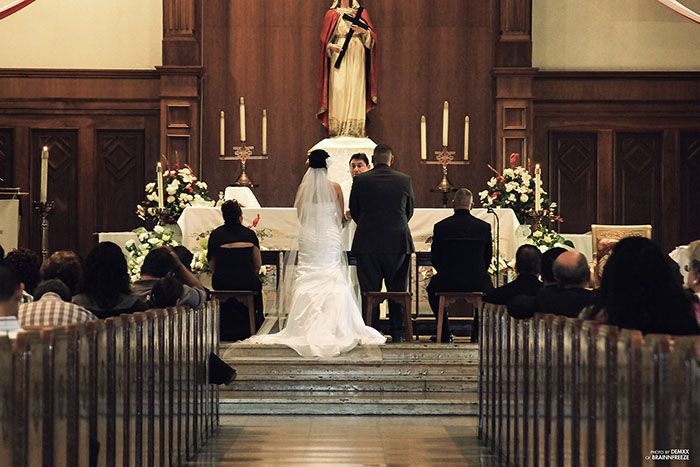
[281,223]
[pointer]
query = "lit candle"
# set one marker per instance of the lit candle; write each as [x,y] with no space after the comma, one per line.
[222,134]
[44,187]
[241,110]
[466,138]
[538,181]
[159,173]
[264,131]
[423,142]
[445,122]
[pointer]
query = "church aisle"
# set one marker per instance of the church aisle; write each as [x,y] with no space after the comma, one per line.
[349,440]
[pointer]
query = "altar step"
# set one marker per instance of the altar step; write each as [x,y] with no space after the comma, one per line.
[393,379]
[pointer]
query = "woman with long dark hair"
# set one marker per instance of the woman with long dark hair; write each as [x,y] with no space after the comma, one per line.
[640,290]
[106,291]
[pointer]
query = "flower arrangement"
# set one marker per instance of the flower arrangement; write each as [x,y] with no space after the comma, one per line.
[545,238]
[514,189]
[149,241]
[181,188]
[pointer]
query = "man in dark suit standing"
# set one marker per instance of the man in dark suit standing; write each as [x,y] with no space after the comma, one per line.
[461,253]
[381,203]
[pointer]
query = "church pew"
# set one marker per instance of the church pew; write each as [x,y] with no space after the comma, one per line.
[559,391]
[134,384]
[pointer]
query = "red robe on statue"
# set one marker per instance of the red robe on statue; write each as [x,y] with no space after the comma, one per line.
[329,22]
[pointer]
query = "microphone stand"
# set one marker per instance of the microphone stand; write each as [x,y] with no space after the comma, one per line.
[498,244]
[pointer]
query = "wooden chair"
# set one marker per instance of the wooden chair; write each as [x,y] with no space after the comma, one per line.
[448,298]
[401,298]
[605,237]
[244,296]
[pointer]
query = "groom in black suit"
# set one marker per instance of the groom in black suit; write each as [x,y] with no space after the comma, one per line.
[381,203]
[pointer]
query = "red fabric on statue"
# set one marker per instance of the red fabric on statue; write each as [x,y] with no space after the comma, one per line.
[329,22]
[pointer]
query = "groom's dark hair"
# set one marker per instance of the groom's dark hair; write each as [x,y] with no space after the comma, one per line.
[382,154]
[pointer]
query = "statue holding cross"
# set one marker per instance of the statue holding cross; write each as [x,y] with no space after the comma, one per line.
[348,69]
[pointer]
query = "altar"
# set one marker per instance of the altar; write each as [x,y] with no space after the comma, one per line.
[280,225]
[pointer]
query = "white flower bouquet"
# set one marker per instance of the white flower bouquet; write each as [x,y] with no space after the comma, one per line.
[181,189]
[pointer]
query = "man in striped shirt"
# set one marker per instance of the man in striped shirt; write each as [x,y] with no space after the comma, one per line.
[52,307]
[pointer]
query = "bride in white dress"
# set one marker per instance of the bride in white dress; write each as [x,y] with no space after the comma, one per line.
[323,316]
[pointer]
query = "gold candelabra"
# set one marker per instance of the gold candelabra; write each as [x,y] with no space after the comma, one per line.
[243,153]
[44,208]
[444,158]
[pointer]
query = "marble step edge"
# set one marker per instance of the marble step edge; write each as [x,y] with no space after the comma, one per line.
[333,363]
[325,377]
[334,397]
[408,409]
[332,386]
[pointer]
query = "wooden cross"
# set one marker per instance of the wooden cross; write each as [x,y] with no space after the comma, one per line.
[355,20]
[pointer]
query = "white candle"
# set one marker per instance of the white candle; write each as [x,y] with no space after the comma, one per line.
[264,131]
[241,110]
[466,138]
[44,186]
[538,181]
[159,174]
[445,122]
[423,138]
[222,134]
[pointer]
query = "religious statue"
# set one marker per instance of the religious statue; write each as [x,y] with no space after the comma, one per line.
[347,87]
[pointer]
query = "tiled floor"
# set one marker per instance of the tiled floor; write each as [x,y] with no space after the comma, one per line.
[345,440]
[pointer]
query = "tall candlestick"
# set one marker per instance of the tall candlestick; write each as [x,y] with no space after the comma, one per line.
[222,134]
[241,110]
[423,139]
[466,138]
[44,185]
[159,173]
[538,181]
[445,122]
[264,132]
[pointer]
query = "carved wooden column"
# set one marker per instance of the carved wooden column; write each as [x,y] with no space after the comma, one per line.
[514,117]
[180,82]
[514,74]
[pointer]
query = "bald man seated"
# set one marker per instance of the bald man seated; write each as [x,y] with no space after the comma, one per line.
[571,294]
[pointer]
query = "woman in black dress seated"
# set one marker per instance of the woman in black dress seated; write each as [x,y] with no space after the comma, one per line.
[235,260]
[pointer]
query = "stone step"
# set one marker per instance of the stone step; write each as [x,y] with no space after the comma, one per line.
[347,403]
[344,382]
[284,368]
[401,352]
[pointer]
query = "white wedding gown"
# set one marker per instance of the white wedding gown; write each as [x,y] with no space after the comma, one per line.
[323,319]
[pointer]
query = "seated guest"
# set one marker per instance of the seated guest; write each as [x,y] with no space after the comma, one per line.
[106,292]
[571,295]
[527,266]
[184,255]
[235,260]
[26,262]
[524,306]
[547,266]
[67,267]
[694,275]
[10,297]
[461,253]
[163,262]
[640,290]
[166,292]
[52,307]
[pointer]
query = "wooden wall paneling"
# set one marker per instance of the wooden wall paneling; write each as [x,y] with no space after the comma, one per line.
[6,158]
[181,32]
[637,165]
[689,186]
[514,116]
[514,47]
[62,182]
[121,164]
[669,193]
[271,58]
[606,178]
[573,178]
